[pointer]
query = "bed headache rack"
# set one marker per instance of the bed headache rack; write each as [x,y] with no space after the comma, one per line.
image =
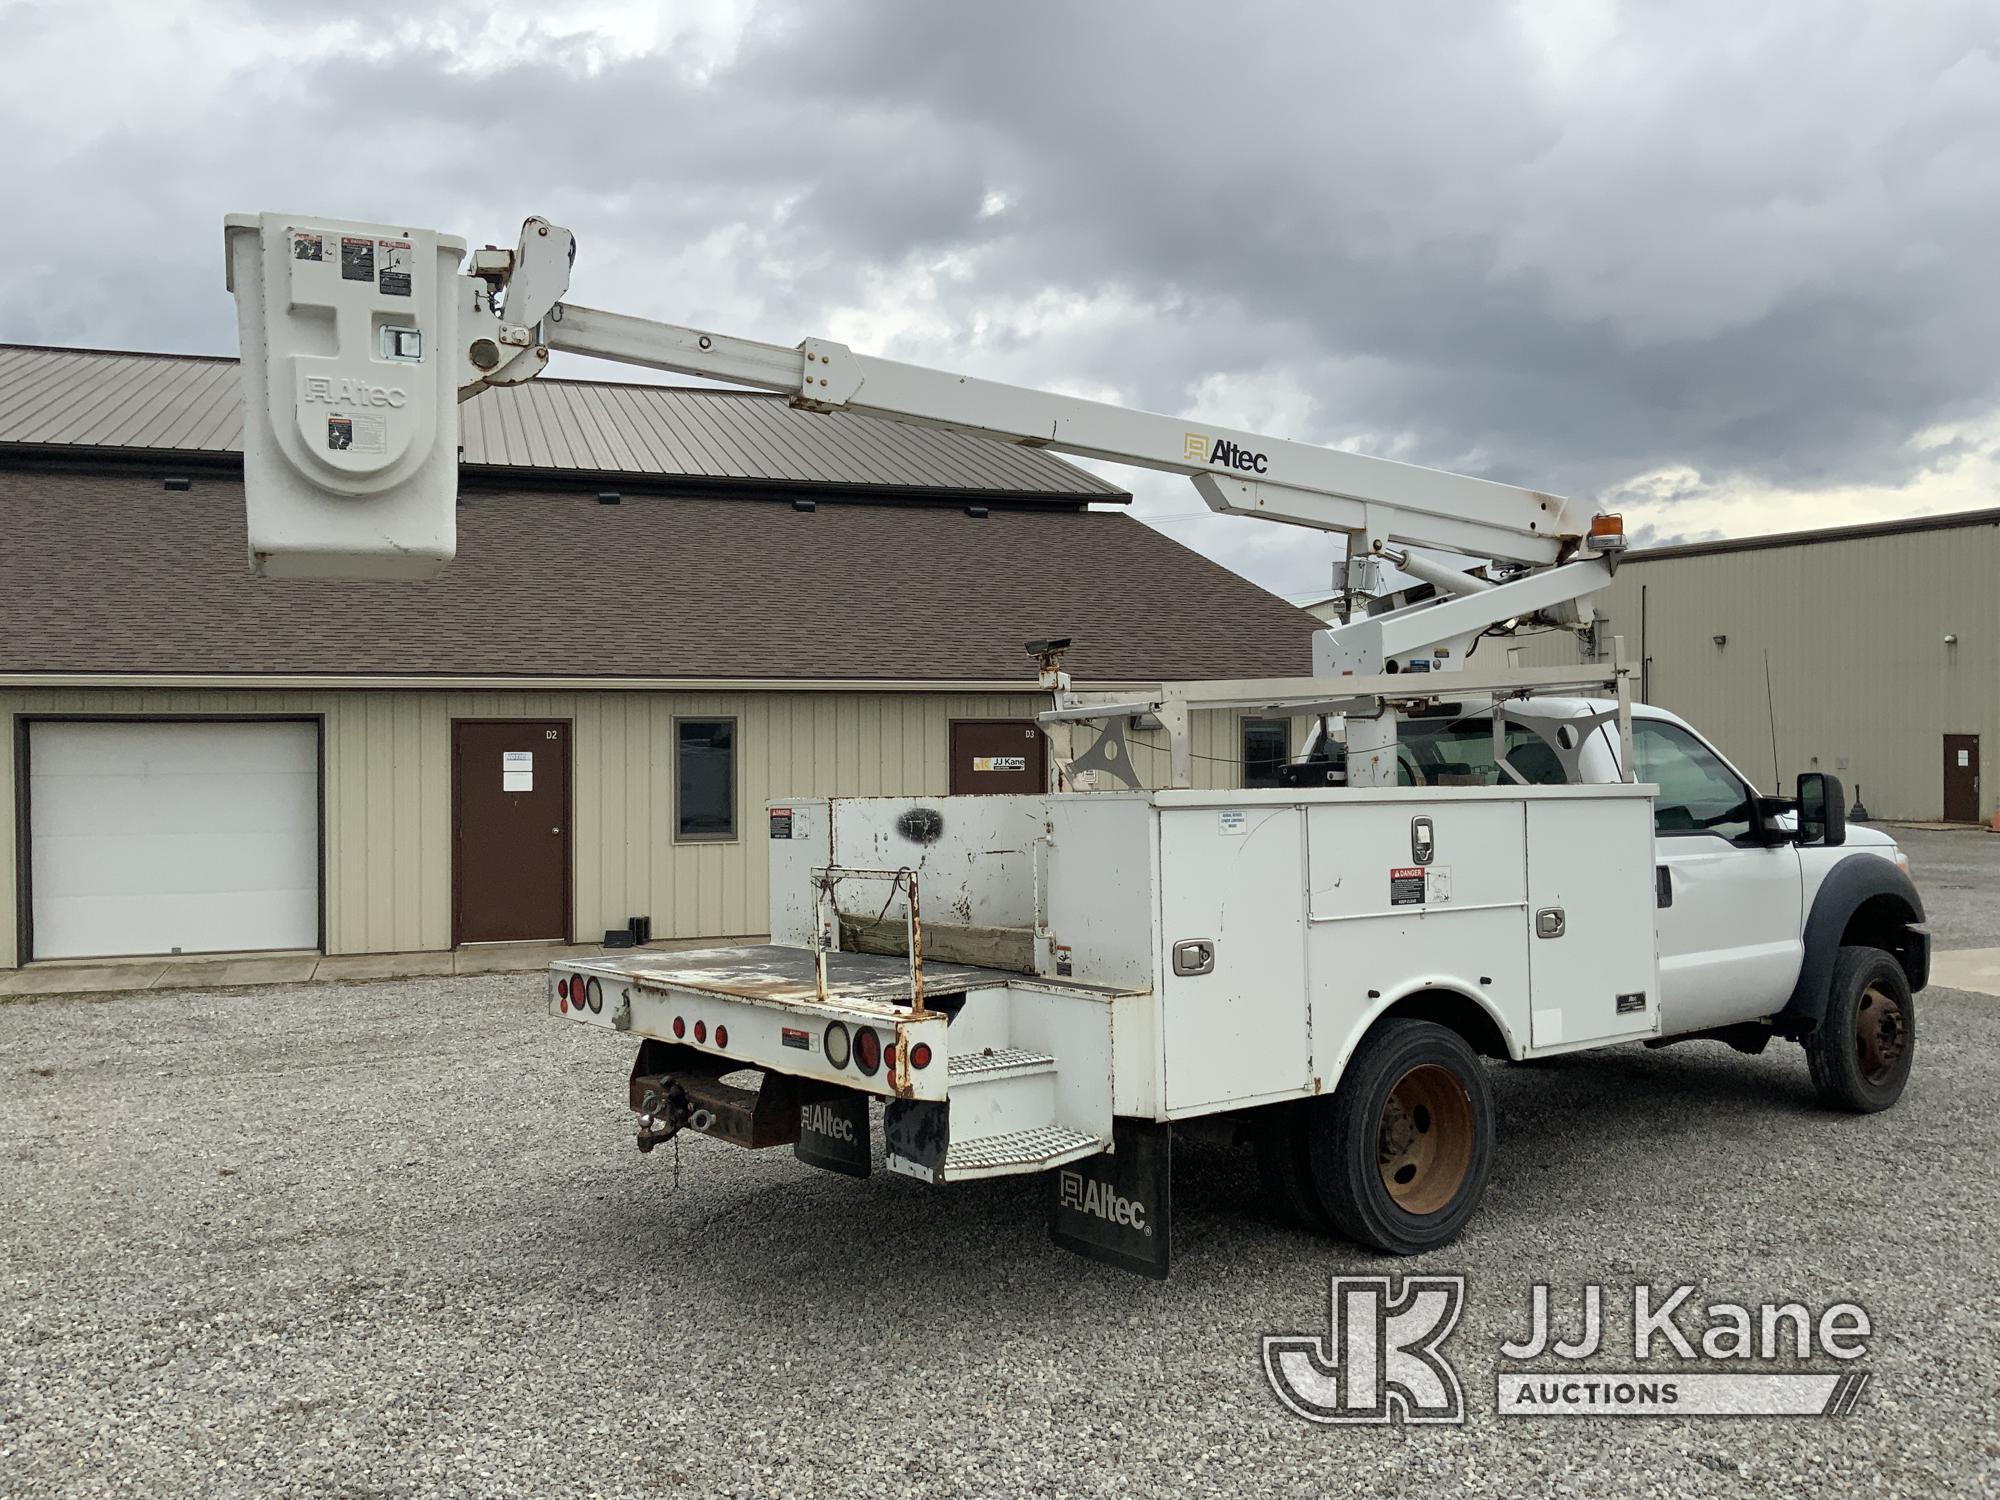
[1169,706]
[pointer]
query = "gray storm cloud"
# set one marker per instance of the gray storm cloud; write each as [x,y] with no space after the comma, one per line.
[1566,246]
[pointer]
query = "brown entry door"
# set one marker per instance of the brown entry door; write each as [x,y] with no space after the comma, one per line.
[509,831]
[998,755]
[1961,778]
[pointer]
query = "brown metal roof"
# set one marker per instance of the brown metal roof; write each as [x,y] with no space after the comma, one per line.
[106,571]
[56,399]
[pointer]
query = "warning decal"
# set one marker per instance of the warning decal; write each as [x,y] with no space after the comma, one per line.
[357,259]
[358,434]
[307,246]
[781,822]
[395,267]
[1406,885]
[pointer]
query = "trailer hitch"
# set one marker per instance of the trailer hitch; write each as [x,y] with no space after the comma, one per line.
[676,1088]
[664,1111]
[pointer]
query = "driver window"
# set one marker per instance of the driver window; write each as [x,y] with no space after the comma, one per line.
[1698,793]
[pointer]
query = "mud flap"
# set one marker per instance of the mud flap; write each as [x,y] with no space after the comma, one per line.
[834,1134]
[1118,1207]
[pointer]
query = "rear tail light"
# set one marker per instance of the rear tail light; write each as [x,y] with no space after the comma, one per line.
[722,1036]
[838,1046]
[889,1057]
[701,1031]
[920,1055]
[867,1051]
[680,1028]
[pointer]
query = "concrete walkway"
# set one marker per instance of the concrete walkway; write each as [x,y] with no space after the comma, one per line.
[122,975]
[1973,969]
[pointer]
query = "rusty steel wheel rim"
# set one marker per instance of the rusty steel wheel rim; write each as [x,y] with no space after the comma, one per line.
[1424,1142]
[1881,1034]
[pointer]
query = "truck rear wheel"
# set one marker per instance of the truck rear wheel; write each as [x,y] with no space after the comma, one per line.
[1401,1152]
[1860,1054]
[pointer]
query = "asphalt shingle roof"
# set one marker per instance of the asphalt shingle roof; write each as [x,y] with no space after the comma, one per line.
[103,570]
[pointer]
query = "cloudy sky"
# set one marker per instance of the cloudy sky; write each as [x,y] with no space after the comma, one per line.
[1731,268]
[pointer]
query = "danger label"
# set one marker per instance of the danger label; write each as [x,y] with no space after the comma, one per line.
[1406,885]
[781,822]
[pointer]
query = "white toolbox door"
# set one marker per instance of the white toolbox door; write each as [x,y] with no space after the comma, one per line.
[1592,953]
[154,837]
[1234,878]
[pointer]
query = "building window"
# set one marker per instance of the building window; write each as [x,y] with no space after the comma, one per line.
[1266,748]
[704,779]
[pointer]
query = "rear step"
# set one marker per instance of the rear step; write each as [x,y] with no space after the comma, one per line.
[1001,1121]
[999,1062]
[1033,1150]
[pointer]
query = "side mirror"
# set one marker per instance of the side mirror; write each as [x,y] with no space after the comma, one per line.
[1822,809]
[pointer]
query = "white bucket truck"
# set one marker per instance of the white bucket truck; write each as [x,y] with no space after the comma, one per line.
[1470,870]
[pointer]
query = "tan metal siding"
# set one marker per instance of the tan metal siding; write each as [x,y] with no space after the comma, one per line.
[387,816]
[1861,681]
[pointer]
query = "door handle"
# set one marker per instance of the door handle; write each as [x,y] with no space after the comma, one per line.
[1550,922]
[555,830]
[1194,958]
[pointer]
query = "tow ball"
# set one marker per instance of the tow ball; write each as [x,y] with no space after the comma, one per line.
[665,1113]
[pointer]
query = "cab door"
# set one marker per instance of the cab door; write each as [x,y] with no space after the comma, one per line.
[1730,912]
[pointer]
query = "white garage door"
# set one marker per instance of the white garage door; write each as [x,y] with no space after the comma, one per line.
[173,838]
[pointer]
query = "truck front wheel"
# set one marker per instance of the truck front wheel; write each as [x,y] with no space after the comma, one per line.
[1861,1051]
[1401,1152]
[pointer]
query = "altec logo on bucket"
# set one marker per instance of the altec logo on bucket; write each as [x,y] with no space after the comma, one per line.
[1101,1200]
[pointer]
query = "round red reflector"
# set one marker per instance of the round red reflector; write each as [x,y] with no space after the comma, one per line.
[722,1036]
[562,988]
[680,1028]
[701,1031]
[920,1055]
[867,1050]
[563,1006]
[889,1057]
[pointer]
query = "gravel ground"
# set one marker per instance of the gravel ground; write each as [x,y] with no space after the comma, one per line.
[1957,871]
[393,1239]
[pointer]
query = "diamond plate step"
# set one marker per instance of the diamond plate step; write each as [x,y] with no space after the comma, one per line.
[1031,1150]
[996,1061]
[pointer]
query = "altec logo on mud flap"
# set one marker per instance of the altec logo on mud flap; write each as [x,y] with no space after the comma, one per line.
[1221,453]
[824,1119]
[1101,1200]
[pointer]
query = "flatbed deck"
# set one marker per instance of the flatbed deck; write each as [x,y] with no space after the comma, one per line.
[766,974]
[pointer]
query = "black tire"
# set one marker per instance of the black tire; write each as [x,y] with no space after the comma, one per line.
[1278,1134]
[1401,1152]
[1860,1053]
